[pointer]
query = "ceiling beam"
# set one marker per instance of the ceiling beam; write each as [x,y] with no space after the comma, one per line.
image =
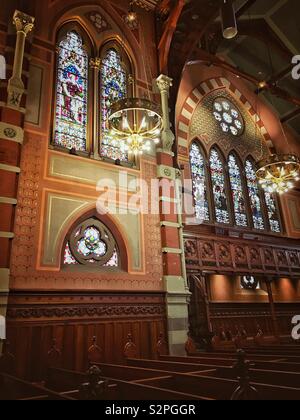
[290,115]
[205,57]
[167,37]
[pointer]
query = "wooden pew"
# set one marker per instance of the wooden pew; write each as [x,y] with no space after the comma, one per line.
[12,388]
[285,379]
[264,365]
[119,390]
[221,389]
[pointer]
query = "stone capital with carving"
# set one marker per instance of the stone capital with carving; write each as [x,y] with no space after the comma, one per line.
[23,23]
[95,63]
[164,83]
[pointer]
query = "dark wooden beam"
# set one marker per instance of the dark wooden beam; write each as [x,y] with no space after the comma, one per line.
[167,37]
[290,115]
[205,57]
[242,10]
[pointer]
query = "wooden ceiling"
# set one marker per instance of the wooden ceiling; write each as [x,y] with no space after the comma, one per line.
[269,36]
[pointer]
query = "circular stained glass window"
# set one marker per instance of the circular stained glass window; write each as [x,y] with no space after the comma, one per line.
[229,117]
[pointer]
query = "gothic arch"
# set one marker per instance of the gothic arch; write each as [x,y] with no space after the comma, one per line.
[197,95]
[112,225]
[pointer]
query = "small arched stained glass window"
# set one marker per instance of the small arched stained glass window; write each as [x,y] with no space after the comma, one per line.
[237,190]
[219,187]
[91,243]
[228,117]
[71,93]
[113,87]
[254,195]
[199,183]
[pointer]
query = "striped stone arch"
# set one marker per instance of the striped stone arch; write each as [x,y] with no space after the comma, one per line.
[196,96]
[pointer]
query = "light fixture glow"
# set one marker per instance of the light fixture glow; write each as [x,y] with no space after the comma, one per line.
[136,124]
[229,24]
[277,173]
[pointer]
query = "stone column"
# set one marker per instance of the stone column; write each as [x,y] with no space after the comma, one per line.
[24,25]
[177,293]
[95,64]
[11,139]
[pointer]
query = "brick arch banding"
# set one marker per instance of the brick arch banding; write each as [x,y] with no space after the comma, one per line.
[196,96]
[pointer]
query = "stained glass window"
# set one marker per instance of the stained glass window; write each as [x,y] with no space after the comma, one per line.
[71,93]
[219,188]
[272,212]
[255,202]
[237,190]
[199,183]
[91,243]
[228,116]
[113,88]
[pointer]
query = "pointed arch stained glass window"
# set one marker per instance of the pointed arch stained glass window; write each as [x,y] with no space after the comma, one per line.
[272,212]
[237,191]
[199,183]
[113,88]
[255,202]
[219,187]
[71,93]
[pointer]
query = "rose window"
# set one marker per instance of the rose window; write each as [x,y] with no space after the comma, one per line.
[228,116]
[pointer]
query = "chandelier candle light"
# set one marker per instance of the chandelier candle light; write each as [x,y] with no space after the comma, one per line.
[136,123]
[277,173]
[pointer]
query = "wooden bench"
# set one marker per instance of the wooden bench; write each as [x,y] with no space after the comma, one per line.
[61,379]
[12,388]
[220,389]
[258,376]
[264,365]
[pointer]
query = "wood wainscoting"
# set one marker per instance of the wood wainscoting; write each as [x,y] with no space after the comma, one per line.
[231,315]
[34,320]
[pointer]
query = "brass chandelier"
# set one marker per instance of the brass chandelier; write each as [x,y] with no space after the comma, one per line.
[278,173]
[136,123]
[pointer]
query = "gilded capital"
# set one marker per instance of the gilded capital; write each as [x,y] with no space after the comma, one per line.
[164,83]
[95,63]
[23,23]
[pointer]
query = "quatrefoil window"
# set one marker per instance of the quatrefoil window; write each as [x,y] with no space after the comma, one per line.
[92,243]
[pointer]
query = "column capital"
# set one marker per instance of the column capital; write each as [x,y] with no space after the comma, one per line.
[95,63]
[164,83]
[23,23]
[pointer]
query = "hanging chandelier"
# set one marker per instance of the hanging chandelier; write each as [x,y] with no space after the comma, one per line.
[131,17]
[136,123]
[278,173]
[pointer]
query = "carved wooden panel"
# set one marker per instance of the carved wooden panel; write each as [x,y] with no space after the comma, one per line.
[240,256]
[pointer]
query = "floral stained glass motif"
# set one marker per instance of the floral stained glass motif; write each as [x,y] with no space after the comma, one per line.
[70,260]
[255,202]
[237,190]
[219,188]
[199,183]
[71,93]
[113,87]
[228,116]
[272,212]
[91,243]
